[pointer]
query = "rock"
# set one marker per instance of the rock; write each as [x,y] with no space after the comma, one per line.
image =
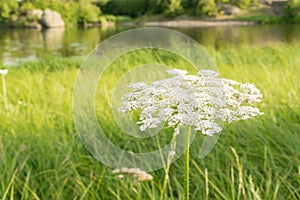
[52,19]
[33,25]
[229,9]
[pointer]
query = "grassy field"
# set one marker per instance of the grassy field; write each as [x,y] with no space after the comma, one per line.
[42,157]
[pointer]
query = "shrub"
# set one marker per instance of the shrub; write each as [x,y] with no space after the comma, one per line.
[174,8]
[243,4]
[132,8]
[292,7]
[87,12]
[7,7]
[26,6]
[79,11]
[206,7]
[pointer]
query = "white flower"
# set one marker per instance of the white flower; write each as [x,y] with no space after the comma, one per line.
[3,72]
[208,73]
[177,72]
[203,101]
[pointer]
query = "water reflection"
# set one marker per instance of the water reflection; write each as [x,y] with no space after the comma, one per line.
[226,37]
[23,44]
[53,39]
[27,44]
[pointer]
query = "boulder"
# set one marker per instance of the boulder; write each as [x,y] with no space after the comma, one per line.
[33,25]
[229,9]
[52,19]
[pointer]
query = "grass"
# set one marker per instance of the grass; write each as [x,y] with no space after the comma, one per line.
[42,157]
[261,18]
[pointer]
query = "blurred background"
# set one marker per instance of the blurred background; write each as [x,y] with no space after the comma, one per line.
[27,35]
[43,43]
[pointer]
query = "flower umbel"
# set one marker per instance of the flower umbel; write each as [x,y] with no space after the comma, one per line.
[202,101]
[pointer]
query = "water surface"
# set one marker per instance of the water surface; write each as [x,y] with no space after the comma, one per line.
[18,45]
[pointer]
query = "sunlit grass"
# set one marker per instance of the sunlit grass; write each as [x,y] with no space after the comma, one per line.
[42,157]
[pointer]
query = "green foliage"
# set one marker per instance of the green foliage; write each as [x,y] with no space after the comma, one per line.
[243,4]
[255,2]
[296,19]
[132,8]
[90,11]
[292,7]
[87,12]
[113,18]
[271,19]
[52,4]
[7,8]
[69,12]
[173,8]
[72,11]
[206,7]
[80,11]
[189,4]
[26,6]
[155,6]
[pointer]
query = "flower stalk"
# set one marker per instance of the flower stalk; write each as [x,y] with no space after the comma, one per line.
[187,164]
[3,73]
[202,102]
[169,162]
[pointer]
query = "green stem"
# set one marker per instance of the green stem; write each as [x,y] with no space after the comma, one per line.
[187,163]
[4,92]
[167,167]
[169,161]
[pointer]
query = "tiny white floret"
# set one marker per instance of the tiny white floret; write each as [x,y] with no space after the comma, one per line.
[3,71]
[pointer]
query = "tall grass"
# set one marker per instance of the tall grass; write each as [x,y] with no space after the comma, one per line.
[42,157]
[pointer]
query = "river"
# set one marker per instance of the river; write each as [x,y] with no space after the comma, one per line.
[19,45]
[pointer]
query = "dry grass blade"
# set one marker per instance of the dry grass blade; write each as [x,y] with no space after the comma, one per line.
[240,169]
[211,183]
[206,184]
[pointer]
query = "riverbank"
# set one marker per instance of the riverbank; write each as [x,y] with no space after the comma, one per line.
[257,15]
[243,19]
[198,23]
[179,22]
[38,15]
[229,16]
[214,22]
